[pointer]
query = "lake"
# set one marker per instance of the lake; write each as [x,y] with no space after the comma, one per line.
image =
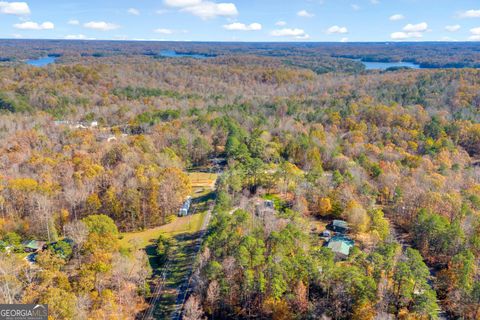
[174,54]
[386,65]
[41,62]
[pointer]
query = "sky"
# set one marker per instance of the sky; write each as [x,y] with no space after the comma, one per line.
[243,20]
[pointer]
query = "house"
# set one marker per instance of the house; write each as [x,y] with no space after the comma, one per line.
[269,204]
[61,122]
[340,246]
[264,208]
[78,126]
[340,226]
[33,245]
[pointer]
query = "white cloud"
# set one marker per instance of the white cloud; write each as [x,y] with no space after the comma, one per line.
[17,8]
[453,28]
[209,10]
[475,34]
[405,35]
[344,39]
[75,37]
[134,11]
[475,31]
[204,9]
[237,26]
[355,7]
[305,14]
[182,3]
[290,32]
[470,14]
[397,17]
[281,23]
[101,25]
[74,22]
[30,25]
[374,1]
[163,31]
[337,29]
[411,31]
[304,37]
[420,27]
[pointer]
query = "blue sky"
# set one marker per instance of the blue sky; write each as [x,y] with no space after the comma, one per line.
[243,20]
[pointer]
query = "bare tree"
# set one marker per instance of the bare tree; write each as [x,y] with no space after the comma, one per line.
[193,309]
[10,285]
[77,231]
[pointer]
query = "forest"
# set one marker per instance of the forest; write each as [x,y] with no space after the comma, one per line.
[101,144]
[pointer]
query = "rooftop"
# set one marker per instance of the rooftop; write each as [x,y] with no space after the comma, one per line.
[33,244]
[340,224]
[341,245]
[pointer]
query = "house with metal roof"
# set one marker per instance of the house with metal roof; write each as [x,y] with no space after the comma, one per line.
[340,245]
[340,226]
[33,245]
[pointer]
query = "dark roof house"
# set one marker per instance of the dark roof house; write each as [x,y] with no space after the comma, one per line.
[340,226]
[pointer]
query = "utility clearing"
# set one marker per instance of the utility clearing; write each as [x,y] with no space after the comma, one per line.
[169,280]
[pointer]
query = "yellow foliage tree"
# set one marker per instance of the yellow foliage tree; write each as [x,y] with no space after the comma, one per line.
[324,206]
[357,216]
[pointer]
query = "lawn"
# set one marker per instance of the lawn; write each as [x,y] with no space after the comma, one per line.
[202,181]
[182,225]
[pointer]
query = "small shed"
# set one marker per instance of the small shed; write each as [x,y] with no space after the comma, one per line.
[340,245]
[326,234]
[340,226]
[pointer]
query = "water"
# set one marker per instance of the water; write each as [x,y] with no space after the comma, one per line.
[174,54]
[386,65]
[41,62]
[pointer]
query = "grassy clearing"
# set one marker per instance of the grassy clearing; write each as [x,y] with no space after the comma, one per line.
[186,231]
[201,181]
[182,262]
[183,225]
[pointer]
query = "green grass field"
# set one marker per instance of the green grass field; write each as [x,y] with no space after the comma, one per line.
[142,239]
[202,182]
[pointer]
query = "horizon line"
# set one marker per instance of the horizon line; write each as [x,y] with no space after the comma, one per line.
[235,41]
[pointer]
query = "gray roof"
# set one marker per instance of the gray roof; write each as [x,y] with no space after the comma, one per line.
[340,224]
